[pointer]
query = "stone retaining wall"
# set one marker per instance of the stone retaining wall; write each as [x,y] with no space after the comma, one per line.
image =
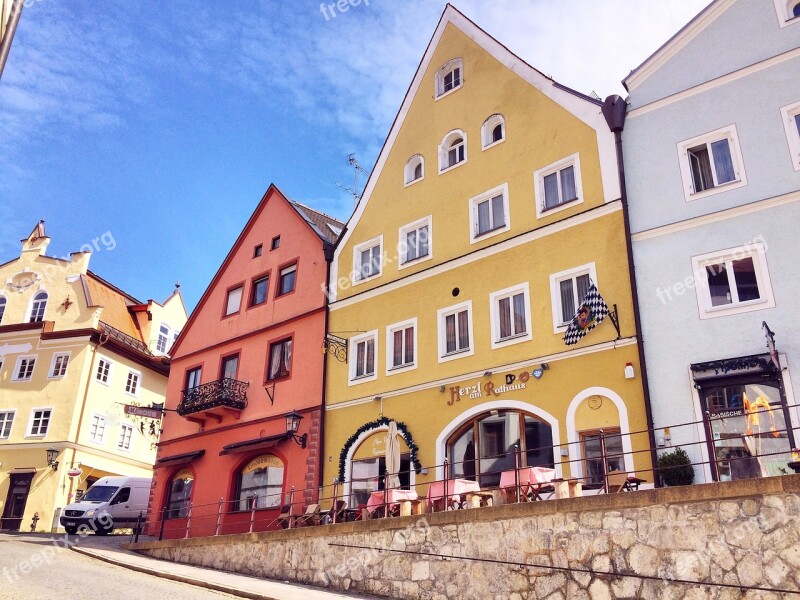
[743,533]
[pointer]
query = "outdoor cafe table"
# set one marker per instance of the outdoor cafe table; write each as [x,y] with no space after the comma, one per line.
[393,498]
[531,480]
[456,488]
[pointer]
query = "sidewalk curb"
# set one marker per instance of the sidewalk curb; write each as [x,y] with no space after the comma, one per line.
[166,575]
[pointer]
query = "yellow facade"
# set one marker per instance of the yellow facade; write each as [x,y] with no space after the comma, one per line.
[546,129]
[67,399]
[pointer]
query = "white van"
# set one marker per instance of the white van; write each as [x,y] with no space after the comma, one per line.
[110,502]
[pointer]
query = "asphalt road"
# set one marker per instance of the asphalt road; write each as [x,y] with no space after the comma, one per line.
[36,569]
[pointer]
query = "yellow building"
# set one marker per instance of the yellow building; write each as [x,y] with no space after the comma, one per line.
[74,350]
[494,203]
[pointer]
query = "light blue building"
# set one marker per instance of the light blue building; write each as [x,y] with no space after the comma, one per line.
[711,150]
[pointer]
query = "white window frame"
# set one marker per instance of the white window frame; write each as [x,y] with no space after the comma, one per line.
[15,374]
[33,301]
[13,413]
[487,130]
[110,364]
[169,339]
[441,315]
[121,437]
[240,289]
[756,251]
[353,354]
[51,373]
[444,150]
[411,166]
[401,242]
[494,312]
[3,307]
[100,419]
[555,291]
[452,64]
[390,330]
[138,380]
[362,247]
[573,160]
[34,410]
[783,8]
[501,189]
[788,116]
[729,132]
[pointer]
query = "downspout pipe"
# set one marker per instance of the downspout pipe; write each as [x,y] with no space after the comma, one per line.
[328,251]
[13,21]
[615,110]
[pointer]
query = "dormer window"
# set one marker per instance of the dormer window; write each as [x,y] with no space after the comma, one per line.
[493,131]
[449,77]
[453,150]
[415,169]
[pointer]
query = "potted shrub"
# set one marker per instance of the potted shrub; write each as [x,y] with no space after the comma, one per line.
[675,468]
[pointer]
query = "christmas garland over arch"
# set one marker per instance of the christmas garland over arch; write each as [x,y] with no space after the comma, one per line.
[401,429]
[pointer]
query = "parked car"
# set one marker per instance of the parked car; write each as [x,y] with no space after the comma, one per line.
[111,502]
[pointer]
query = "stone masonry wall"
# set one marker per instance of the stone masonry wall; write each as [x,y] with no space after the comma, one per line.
[742,533]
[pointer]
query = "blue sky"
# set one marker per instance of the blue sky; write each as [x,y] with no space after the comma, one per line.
[161,124]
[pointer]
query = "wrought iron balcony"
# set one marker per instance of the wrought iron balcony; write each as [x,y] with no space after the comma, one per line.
[214,398]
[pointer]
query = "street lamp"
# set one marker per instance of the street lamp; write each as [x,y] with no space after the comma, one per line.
[52,455]
[292,425]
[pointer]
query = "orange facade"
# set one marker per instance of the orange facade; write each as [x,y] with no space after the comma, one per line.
[249,355]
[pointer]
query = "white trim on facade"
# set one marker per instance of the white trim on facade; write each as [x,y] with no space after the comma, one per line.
[401,242]
[783,10]
[34,410]
[487,131]
[390,329]
[555,293]
[500,190]
[411,167]
[727,133]
[51,374]
[573,161]
[444,150]
[354,341]
[15,375]
[790,115]
[494,315]
[358,249]
[441,315]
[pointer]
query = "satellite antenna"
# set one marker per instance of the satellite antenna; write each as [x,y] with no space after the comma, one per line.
[351,160]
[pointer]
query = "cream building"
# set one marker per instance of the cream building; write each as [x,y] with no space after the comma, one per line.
[74,351]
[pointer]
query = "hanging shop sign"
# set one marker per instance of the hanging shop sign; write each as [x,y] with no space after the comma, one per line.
[489,388]
[143,411]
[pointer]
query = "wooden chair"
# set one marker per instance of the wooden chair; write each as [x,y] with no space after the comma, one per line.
[617,480]
[310,517]
[286,518]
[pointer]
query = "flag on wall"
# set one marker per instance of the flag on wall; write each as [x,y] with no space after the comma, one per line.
[590,313]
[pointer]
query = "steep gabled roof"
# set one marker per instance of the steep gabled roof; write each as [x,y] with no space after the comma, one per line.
[325,226]
[115,305]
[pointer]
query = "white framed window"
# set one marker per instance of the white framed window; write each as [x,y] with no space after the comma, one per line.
[453,150]
[415,170]
[103,373]
[788,12]
[233,300]
[58,366]
[363,357]
[415,242]
[3,302]
[493,131]
[40,422]
[38,306]
[567,290]
[733,281]
[558,186]
[449,77]
[488,213]
[125,437]
[711,163]
[401,346]
[510,311]
[132,383]
[166,337]
[791,122]
[6,422]
[367,261]
[97,429]
[455,331]
[23,371]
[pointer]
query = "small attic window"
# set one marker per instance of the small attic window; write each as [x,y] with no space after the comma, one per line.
[276,242]
[788,12]
[493,131]
[258,250]
[449,77]
[415,169]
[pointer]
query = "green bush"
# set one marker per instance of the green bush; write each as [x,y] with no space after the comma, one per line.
[675,468]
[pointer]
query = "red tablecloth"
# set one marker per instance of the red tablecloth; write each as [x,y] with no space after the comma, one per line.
[455,487]
[527,476]
[393,497]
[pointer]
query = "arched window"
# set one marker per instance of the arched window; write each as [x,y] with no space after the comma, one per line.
[453,150]
[2,308]
[260,481]
[415,169]
[484,446]
[38,306]
[450,76]
[796,10]
[368,467]
[180,494]
[493,130]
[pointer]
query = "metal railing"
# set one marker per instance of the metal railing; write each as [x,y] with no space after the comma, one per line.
[225,392]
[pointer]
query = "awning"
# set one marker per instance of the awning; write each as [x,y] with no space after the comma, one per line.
[22,470]
[261,443]
[179,459]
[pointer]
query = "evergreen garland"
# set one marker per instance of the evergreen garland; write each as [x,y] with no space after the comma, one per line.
[401,429]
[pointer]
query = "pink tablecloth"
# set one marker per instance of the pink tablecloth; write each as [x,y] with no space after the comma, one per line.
[455,487]
[393,497]
[527,476]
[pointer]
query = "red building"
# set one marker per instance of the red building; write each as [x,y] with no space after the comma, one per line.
[249,356]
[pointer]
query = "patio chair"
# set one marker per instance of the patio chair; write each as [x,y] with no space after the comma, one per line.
[310,517]
[617,480]
[339,511]
[286,518]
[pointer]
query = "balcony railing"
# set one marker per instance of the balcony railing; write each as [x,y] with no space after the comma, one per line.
[222,393]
